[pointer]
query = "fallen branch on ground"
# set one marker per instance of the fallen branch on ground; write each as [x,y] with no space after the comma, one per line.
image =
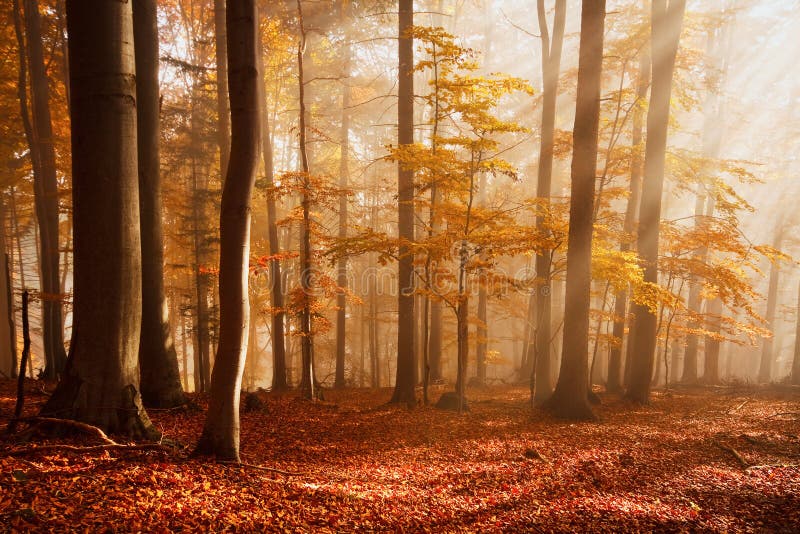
[736,409]
[734,452]
[261,468]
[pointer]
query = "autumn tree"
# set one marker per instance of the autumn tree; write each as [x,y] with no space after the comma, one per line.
[101,381]
[220,435]
[551,67]
[160,378]
[406,332]
[45,187]
[570,396]
[666,21]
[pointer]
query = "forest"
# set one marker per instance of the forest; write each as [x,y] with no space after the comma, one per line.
[429,266]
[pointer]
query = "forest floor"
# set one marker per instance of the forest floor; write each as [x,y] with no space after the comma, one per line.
[722,459]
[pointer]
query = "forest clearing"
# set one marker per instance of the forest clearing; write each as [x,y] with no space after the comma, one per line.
[354,463]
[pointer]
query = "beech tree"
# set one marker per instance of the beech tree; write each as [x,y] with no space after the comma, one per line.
[45,188]
[220,435]
[570,397]
[551,67]
[406,332]
[101,381]
[666,21]
[160,377]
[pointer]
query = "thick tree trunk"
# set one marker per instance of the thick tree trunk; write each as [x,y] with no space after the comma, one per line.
[341,267]
[666,30]
[158,361]
[614,381]
[570,397]
[404,383]
[101,381]
[45,189]
[221,430]
[551,68]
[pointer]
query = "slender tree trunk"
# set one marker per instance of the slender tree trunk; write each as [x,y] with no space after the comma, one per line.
[614,382]
[767,355]
[276,288]
[666,30]
[795,377]
[551,68]
[570,398]
[695,302]
[223,110]
[404,382]
[8,342]
[308,379]
[341,267]
[45,189]
[220,435]
[101,381]
[158,361]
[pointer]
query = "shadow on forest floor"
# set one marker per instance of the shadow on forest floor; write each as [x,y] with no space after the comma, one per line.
[361,465]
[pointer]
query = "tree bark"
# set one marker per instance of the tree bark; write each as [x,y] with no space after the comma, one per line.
[220,435]
[341,266]
[767,356]
[158,361]
[614,381]
[795,376]
[551,67]
[223,110]
[570,398]
[278,314]
[101,381]
[666,31]
[45,189]
[404,382]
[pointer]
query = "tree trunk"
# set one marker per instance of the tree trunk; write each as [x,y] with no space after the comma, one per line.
[404,382]
[220,435]
[795,377]
[279,382]
[158,361]
[45,189]
[614,381]
[308,378]
[8,342]
[101,381]
[767,356]
[223,110]
[341,267]
[551,68]
[695,302]
[666,31]
[570,399]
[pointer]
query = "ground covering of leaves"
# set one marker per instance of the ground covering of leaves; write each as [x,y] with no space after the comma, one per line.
[358,464]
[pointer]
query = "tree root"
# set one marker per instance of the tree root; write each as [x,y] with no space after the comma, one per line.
[27,451]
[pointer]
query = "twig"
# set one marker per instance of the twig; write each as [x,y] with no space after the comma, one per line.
[95,448]
[770,466]
[736,409]
[260,468]
[795,414]
[734,452]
